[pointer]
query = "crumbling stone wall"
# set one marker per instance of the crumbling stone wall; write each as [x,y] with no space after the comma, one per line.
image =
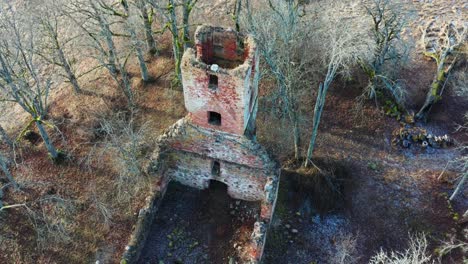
[189,154]
[144,221]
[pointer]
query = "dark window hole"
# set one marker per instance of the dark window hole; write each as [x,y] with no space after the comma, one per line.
[214,118]
[213,84]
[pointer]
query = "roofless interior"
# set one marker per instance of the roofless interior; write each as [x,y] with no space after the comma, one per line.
[222,47]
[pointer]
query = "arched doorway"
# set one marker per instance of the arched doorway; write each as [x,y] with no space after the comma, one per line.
[217,186]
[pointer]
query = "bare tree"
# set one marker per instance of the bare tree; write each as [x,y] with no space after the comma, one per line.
[340,41]
[137,45]
[93,19]
[125,143]
[51,218]
[346,249]
[452,244]
[57,39]
[388,20]
[147,16]
[416,253]
[129,16]
[187,7]
[4,136]
[169,12]
[20,79]
[444,44]
[236,14]
[3,158]
[279,31]
[6,171]
[462,163]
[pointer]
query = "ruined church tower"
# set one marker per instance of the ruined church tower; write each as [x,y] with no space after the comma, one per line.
[216,142]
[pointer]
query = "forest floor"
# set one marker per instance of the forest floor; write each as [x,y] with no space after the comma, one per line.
[386,192]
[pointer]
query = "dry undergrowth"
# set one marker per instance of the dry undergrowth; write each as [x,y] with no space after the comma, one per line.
[88,204]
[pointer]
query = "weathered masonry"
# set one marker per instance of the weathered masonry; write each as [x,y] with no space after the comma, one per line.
[220,80]
[216,140]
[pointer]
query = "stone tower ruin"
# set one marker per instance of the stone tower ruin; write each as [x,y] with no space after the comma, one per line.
[220,80]
[216,140]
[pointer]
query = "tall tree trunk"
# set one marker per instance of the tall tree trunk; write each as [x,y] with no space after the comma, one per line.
[127,88]
[112,56]
[435,92]
[185,23]
[6,138]
[136,44]
[106,31]
[320,102]
[50,147]
[140,56]
[237,10]
[297,140]
[294,119]
[66,66]
[445,62]
[147,23]
[6,171]
[459,186]
[176,47]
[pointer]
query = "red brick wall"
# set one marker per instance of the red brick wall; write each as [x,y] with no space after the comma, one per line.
[226,100]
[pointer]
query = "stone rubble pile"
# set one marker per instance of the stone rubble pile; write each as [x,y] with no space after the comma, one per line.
[408,136]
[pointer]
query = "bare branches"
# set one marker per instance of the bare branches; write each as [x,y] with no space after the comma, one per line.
[6,171]
[388,20]
[286,36]
[280,37]
[127,14]
[125,144]
[20,79]
[179,41]
[5,138]
[341,43]
[346,249]
[453,244]
[147,16]
[416,253]
[92,19]
[54,46]
[50,216]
